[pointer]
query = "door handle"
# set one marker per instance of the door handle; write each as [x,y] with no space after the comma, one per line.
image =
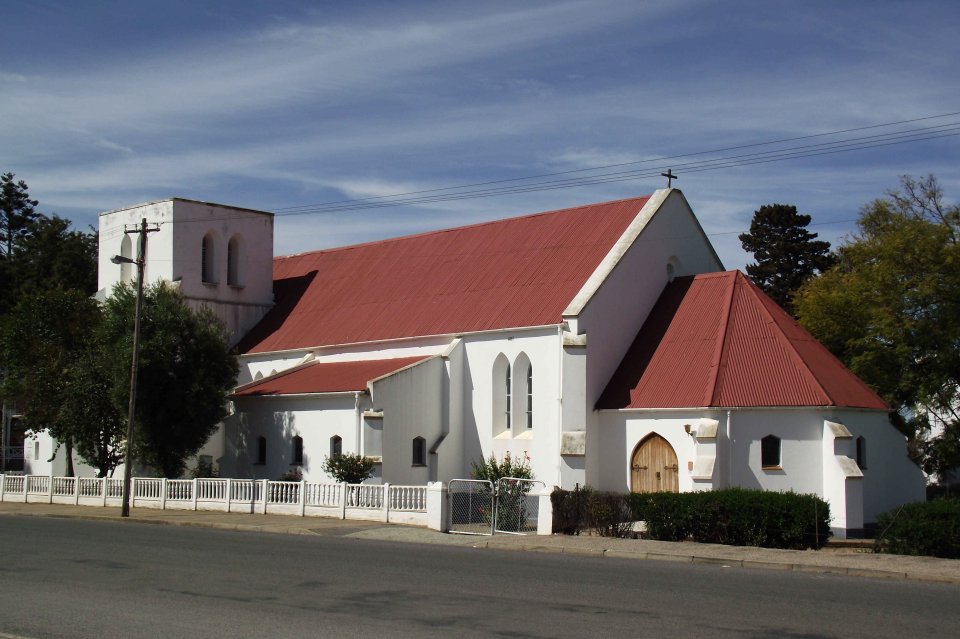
[636,467]
[673,468]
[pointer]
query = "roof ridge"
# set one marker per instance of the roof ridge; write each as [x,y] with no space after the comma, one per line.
[458,228]
[781,336]
[720,357]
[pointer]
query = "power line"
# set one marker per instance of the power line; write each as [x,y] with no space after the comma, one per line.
[619,164]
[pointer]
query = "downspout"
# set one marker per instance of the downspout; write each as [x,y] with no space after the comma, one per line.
[560,407]
[728,480]
[356,411]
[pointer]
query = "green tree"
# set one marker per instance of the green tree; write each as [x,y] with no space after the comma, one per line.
[786,253]
[16,213]
[186,371]
[46,349]
[890,310]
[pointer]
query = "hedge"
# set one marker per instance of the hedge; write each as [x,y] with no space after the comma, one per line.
[733,516]
[924,528]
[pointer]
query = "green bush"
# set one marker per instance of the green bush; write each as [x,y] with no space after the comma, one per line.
[924,528]
[570,510]
[348,468]
[733,516]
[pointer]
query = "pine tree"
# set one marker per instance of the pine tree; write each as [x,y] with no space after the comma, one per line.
[786,253]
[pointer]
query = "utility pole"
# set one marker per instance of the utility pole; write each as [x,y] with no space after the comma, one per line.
[140,263]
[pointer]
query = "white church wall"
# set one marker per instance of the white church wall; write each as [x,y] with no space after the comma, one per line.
[481,392]
[889,477]
[801,450]
[613,305]
[621,431]
[412,406]
[316,419]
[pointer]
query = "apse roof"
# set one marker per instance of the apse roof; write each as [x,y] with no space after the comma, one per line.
[716,340]
[510,273]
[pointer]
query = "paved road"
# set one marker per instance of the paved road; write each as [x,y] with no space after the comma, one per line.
[70,578]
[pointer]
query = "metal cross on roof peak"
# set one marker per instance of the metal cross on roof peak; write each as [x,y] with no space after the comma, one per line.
[670,177]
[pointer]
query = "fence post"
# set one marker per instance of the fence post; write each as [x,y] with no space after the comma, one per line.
[26,487]
[263,494]
[3,479]
[103,490]
[437,507]
[385,507]
[163,493]
[344,487]
[544,513]
[133,491]
[303,497]
[50,489]
[229,494]
[76,491]
[194,493]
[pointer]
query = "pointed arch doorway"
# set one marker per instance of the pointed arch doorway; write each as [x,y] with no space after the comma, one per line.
[654,466]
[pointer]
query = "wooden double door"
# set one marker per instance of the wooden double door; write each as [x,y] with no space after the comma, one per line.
[654,467]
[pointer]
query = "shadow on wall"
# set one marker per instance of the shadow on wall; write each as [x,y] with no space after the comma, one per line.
[276,456]
[286,294]
[471,436]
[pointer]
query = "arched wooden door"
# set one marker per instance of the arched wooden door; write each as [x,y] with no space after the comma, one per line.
[654,467]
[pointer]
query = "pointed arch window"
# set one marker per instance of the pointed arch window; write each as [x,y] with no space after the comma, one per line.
[508,403]
[336,445]
[862,453]
[529,397]
[501,404]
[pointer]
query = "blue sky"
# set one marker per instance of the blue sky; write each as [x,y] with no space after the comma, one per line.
[282,104]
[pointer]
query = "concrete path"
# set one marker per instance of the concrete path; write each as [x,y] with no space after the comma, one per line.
[852,561]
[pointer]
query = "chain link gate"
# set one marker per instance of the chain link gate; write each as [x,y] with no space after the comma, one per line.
[516,510]
[471,506]
[480,507]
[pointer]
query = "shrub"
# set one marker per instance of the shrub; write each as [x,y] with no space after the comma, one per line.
[733,516]
[512,511]
[570,509]
[293,474]
[348,468]
[924,528]
[610,514]
[493,470]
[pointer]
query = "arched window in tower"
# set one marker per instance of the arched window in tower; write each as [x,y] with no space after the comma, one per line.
[126,268]
[208,260]
[234,260]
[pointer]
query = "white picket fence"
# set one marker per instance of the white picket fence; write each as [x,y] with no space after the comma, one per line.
[377,502]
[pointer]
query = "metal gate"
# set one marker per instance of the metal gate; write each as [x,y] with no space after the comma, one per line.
[471,506]
[516,510]
[480,507]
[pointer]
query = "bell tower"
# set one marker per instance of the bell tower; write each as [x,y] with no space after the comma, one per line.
[219,256]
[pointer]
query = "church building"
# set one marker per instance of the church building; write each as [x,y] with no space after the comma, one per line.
[603,343]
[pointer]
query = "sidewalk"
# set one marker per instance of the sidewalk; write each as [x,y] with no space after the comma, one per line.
[853,562]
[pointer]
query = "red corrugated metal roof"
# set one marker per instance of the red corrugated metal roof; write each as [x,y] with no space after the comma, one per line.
[716,340]
[326,377]
[510,273]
